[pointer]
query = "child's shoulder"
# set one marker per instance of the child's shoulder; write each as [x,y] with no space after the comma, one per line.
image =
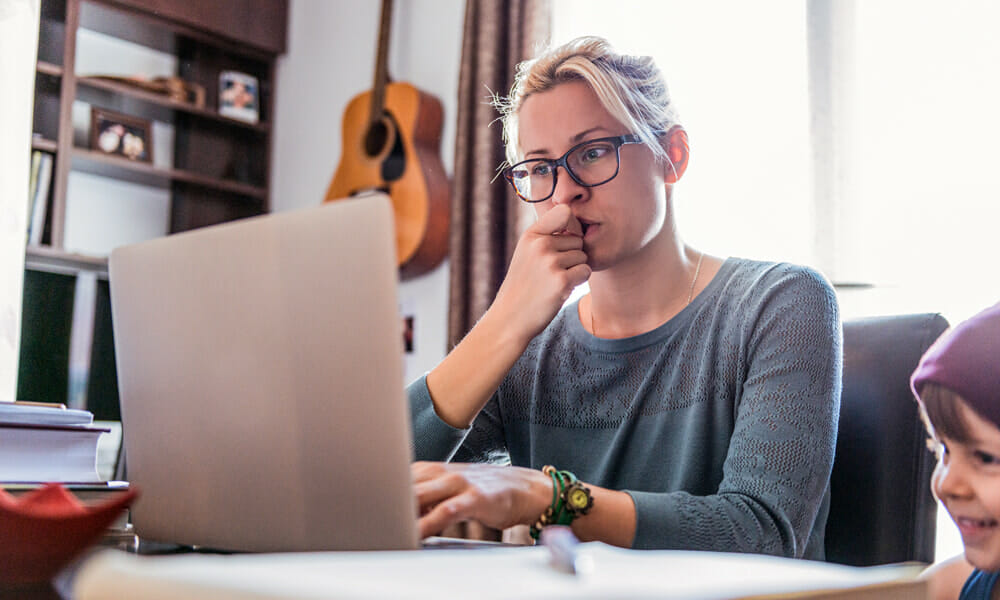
[946,579]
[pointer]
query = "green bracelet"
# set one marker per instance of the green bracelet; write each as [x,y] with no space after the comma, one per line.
[570,499]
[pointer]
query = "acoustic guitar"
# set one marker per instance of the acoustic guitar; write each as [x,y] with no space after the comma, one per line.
[391,141]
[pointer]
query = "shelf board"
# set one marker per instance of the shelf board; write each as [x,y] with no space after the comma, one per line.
[96,163]
[53,260]
[159,100]
[45,144]
[48,68]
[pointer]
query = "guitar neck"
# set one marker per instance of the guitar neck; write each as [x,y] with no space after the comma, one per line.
[381,61]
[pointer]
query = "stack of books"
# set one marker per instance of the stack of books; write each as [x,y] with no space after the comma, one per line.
[50,443]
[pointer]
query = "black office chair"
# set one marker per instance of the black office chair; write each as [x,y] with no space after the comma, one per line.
[881,506]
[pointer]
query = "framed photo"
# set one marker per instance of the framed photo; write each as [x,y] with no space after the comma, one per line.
[121,135]
[239,96]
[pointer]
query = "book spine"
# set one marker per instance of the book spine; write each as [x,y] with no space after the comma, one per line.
[40,199]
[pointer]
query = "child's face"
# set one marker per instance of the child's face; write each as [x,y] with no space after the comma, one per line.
[967,481]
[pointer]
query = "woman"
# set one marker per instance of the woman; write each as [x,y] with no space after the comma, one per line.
[686,402]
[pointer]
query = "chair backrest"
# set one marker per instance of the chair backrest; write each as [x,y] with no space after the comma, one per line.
[881,506]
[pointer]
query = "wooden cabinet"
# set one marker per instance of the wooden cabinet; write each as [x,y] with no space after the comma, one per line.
[217,168]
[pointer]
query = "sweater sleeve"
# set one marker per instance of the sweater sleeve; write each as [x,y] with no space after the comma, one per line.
[433,439]
[780,455]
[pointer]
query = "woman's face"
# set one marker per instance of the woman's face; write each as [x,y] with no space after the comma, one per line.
[967,481]
[620,218]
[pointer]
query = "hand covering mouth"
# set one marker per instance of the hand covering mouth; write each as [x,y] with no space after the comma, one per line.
[573,227]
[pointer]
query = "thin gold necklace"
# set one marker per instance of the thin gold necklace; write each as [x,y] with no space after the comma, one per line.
[697,271]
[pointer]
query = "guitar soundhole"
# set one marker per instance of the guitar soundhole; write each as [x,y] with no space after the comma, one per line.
[376,138]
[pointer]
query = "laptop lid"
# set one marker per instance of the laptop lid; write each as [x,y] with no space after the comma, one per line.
[260,375]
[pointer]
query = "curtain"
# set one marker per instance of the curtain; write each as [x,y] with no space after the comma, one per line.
[486,217]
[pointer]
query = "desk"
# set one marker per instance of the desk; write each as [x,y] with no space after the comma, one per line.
[481,573]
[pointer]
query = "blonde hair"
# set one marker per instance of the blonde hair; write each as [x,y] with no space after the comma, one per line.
[631,88]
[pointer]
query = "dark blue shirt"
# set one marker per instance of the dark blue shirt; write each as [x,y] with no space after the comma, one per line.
[979,585]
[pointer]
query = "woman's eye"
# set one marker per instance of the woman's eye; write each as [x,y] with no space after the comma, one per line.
[541,170]
[593,153]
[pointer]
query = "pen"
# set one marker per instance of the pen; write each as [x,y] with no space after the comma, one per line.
[563,548]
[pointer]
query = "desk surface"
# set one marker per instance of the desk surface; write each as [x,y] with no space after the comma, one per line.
[492,573]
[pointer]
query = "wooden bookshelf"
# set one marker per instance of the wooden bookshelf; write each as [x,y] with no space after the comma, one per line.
[97,163]
[50,260]
[218,169]
[45,145]
[47,68]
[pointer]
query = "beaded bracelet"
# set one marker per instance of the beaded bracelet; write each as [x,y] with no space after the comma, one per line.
[570,499]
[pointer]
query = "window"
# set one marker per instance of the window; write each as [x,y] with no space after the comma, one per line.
[856,137]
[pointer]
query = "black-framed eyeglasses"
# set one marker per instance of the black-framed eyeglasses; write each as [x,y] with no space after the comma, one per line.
[590,163]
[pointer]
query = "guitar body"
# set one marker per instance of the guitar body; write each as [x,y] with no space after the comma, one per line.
[399,154]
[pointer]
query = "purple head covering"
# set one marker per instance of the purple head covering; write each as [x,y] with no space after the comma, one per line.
[966,361]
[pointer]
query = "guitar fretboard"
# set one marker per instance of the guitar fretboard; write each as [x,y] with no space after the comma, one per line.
[381,62]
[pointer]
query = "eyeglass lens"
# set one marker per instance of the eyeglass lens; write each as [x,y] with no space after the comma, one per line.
[592,163]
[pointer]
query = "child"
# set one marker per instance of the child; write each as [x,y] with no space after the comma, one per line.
[957,384]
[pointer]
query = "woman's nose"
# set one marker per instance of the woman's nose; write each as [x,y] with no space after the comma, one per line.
[567,189]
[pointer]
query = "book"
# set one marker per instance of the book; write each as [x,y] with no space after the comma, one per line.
[86,493]
[43,414]
[42,181]
[41,453]
[36,161]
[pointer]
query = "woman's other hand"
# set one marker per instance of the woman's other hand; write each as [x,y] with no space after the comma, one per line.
[494,495]
[548,263]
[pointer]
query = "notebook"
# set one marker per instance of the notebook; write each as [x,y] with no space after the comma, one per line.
[260,374]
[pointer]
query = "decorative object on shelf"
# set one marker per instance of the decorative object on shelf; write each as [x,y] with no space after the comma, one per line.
[45,529]
[174,88]
[121,135]
[239,96]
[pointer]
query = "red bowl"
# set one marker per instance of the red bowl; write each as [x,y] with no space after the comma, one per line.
[42,531]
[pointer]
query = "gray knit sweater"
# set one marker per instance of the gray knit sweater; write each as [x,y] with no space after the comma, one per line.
[720,424]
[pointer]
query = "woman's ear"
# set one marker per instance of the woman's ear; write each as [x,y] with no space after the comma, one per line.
[675,142]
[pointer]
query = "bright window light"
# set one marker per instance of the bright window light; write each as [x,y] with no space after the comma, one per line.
[917,205]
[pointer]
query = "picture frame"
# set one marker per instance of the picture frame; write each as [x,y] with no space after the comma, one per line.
[239,96]
[121,135]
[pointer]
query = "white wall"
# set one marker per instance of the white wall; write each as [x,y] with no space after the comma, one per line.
[330,59]
[18,45]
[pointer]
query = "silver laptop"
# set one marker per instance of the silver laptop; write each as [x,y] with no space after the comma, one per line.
[260,373]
